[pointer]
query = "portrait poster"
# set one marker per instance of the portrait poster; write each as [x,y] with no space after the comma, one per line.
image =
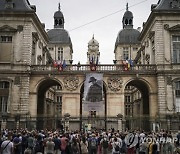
[93,92]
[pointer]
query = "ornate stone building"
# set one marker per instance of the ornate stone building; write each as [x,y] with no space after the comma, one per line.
[41,88]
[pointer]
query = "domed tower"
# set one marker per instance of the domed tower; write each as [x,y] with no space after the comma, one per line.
[58,18]
[93,53]
[127,18]
[60,45]
[127,43]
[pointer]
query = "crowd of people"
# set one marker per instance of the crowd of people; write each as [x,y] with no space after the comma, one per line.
[91,142]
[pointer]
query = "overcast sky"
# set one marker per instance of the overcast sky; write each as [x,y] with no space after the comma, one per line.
[104,18]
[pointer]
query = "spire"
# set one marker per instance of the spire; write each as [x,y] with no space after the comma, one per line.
[59,7]
[127,18]
[127,7]
[58,18]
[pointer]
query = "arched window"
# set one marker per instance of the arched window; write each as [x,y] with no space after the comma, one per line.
[130,21]
[56,22]
[126,22]
[60,22]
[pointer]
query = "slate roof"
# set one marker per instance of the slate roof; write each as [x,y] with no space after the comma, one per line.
[18,6]
[128,14]
[128,35]
[59,35]
[166,5]
[58,14]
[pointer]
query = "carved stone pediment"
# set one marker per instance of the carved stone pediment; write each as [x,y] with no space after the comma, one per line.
[7,28]
[175,28]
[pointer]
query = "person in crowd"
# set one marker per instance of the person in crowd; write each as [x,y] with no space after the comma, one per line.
[84,145]
[75,146]
[17,144]
[104,144]
[64,142]
[57,143]
[115,146]
[50,146]
[7,145]
[92,144]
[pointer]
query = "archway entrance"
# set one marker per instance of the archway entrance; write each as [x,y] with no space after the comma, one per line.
[137,105]
[49,103]
[93,119]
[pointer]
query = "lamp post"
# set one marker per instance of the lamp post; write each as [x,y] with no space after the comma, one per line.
[119,119]
[66,120]
[4,120]
[17,119]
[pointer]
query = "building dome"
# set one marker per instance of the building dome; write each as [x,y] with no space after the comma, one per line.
[59,35]
[58,14]
[93,42]
[128,14]
[128,35]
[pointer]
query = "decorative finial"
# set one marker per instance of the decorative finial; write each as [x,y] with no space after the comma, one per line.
[59,7]
[93,37]
[127,7]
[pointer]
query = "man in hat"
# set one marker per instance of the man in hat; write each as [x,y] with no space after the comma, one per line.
[95,90]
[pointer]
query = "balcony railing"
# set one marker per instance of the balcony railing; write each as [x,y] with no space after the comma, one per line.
[99,68]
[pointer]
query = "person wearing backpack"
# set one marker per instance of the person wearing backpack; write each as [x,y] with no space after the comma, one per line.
[123,148]
[104,144]
[116,146]
[93,144]
[7,146]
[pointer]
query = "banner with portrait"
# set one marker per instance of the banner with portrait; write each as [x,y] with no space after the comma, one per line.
[93,92]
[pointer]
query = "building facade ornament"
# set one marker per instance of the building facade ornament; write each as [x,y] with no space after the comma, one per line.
[115,83]
[175,3]
[169,80]
[166,26]
[71,82]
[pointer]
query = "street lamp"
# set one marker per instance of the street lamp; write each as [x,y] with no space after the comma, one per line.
[119,120]
[17,119]
[4,120]
[66,120]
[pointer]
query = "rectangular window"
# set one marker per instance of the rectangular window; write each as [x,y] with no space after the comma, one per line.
[4,85]
[125,53]
[6,39]
[60,54]
[127,99]
[3,103]
[176,49]
[59,99]
[177,93]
